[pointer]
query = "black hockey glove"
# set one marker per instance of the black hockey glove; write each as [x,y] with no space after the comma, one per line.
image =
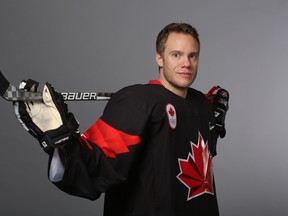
[219,99]
[49,121]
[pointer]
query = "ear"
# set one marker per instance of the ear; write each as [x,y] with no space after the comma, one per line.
[159,59]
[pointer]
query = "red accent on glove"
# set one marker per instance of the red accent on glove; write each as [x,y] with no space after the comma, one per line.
[210,93]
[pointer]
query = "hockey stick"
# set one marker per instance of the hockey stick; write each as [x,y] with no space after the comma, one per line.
[11,93]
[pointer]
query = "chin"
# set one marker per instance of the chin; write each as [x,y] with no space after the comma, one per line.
[186,84]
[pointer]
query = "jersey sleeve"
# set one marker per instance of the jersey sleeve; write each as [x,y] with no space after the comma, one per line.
[105,154]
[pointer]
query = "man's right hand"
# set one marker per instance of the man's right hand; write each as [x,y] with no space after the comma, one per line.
[49,121]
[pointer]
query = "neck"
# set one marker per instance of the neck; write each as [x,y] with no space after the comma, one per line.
[181,92]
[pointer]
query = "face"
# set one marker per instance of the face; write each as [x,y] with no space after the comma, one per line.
[178,63]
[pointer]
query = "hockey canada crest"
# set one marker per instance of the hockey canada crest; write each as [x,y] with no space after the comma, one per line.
[172,117]
[196,172]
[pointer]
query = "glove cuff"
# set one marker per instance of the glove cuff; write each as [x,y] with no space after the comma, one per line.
[60,136]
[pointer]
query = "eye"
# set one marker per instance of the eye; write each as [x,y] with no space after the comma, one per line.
[194,56]
[176,55]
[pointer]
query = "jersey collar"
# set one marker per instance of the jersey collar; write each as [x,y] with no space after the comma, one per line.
[155,82]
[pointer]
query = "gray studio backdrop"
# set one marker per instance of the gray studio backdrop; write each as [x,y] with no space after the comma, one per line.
[105,45]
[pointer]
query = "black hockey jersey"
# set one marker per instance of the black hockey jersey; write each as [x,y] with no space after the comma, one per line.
[150,152]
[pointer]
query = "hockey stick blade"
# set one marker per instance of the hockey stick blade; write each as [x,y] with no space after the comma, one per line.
[11,93]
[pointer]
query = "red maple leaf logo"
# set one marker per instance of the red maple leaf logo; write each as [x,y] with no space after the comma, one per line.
[171,112]
[196,171]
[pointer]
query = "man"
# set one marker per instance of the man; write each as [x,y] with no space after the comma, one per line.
[151,151]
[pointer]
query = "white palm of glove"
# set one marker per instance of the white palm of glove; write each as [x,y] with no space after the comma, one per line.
[44,113]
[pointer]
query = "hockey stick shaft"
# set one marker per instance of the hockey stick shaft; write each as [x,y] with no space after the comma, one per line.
[11,93]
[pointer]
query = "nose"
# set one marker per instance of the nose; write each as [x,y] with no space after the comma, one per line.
[186,62]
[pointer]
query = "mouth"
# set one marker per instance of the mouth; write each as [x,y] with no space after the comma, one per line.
[185,74]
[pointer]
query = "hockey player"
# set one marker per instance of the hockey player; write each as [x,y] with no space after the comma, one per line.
[151,151]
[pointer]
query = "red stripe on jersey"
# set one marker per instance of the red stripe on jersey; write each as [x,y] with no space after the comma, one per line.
[109,139]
